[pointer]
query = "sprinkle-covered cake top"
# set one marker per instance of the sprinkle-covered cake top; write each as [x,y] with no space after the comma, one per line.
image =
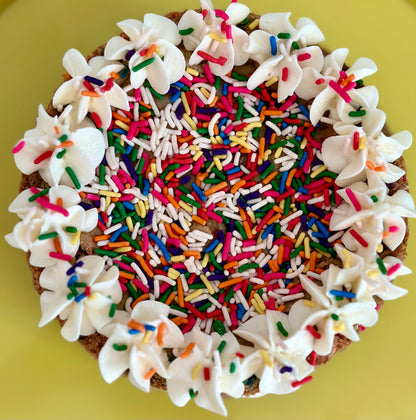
[229,182]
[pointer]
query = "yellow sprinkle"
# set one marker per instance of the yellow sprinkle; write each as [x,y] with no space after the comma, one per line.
[196,370]
[75,238]
[238,140]
[146,337]
[380,248]
[314,228]
[347,256]
[241,134]
[361,144]
[252,218]
[185,104]
[211,165]
[173,274]
[338,326]
[257,307]
[218,248]
[252,125]
[194,148]
[129,222]
[190,121]
[109,193]
[274,79]
[217,38]
[372,274]
[303,143]
[123,249]
[205,92]
[204,279]
[306,269]
[318,171]
[122,125]
[178,258]
[253,24]
[153,169]
[278,152]
[93,296]
[259,301]
[185,206]
[107,202]
[146,205]
[193,295]
[204,261]
[266,358]
[300,239]
[309,303]
[267,154]
[192,71]
[217,162]
[140,209]
[306,244]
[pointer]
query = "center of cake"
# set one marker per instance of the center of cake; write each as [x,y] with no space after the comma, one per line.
[213,199]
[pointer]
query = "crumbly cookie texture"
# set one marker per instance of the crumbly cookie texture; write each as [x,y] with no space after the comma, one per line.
[193,119]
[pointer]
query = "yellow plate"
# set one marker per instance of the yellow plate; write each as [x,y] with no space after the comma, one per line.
[44,377]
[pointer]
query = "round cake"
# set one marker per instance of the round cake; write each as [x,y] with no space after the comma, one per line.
[212,204]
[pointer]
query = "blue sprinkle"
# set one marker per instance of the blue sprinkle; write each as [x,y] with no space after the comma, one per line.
[264,166]
[212,246]
[284,125]
[118,130]
[127,205]
[224,89]
[129,148]
[73,279]
[304,110]
[283,182]
[311,222]
[303,190]
[73,268]
[117,233]
[233,170]
[161,245]
[179,85]
[149,327]
[185,179]
[146,187]
[322,228]
[342,293]
[175,96]
[268,230]
[303,159]
[199,192]
[240,311]
[273,45]
[80,297]
[259,106]
[223,135]
[133,331]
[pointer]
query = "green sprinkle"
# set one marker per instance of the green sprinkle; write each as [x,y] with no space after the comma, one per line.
[119,347]
[112,310]
[374,198]
[131,241]
[267,172]
[240,109]
[100,251]
[63,138]
[286,209]
[222,346]
[71,229]
[47,235]
[281,329]
[143,64]
[360,113]
[132,291]
[317,245]
[61,154]
[185,32]
[73,177]
[381,266]
[232,367]
[335,317]
[190,201]
[283,35]
[191,393]
[39,194]
[219,327]
[295,45]
[238,76]
[247,266]
[101,174]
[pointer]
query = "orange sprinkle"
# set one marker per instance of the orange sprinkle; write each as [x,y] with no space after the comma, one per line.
[370,165]
[290,177]
[263,110]
[185,139]
[242,214]
[118,244]
[136,325]
[247,229]
[270,177]
[151,50]
[149,374]
[230,282]
[195,254]
[257,253]
[173,201]
[82,194]
[170,298]
[281,308]
[183,240]
[146,114]
[120,117]
[273,138]
[280,254]
[178,320]
[178,229]
[159,336]
[57,244]
[101,238]
[66,143]
[213,102]
[56,128]
[162,259]
[223,205]
[274,218]
[187,350]
[381,168]
[180,292]
[145,296]
[90,94]
[237,185]
[348,80]
[59,202]
[114,75]
[199,220]
[144,265]
[273,112]
[216,188]
[274,265]
[230,265]
[261,148]
[170,232]
[145,105]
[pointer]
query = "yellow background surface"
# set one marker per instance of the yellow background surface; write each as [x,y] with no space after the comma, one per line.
[44,377]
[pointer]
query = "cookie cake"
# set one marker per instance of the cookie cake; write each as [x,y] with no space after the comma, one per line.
[211,203]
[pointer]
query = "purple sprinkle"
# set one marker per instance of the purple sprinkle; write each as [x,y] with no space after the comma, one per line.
[129,54]
[179,111]
[129,167]
[185,179]
[94,80]
[208,110]
[286,369]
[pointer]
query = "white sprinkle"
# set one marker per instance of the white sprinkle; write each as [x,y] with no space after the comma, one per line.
[292,297]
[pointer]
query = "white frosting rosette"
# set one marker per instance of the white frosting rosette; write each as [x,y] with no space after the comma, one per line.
[336,90]
[214,33]
[208,367]
[272,48]
[51,148]
[139,344]
[372,216]
[82,295]
[280,352]
[329,315]
[358,148]
[150,51]
[91,87]
[50,221]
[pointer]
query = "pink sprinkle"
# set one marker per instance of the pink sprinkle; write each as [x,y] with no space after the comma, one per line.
[306,166]
[243,255]
[358,238]
[198,165]
[272,276]
[19,146]
[163,287]
[214,216]
[179,266]
[186,82]
[182,169]
[221,14]
[295,289]
[303,57]
[137,95]
[285,74]
[350,86]
[126,197]
[160,197]
[272,304]
[288,103]
[394,228]
[117,181]
[132,130]
[207,71]
[228,32]
[127,176]
[54,207]
[226,248]
[173,241]
[145,236]
[393,269]
[341,92]
[226,104]
[124,266]
[122,287]
[60,256]
[140,285]
[92,197]
[228,167]
[228,129]
[159,182]
[188,327]
[353,199]
[239,89]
